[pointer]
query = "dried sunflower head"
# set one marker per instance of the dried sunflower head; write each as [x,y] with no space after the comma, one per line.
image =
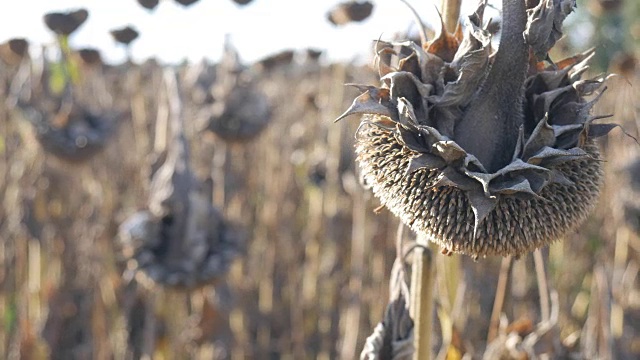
[125,35]
[89,57]
[350,11]
[74,133]
[149,4]
[65,23]
[242,2]
[270,62]
[240,110]
[485,153]
[13,51]
[73,123]
[186,2]
[180,240]
[180,249]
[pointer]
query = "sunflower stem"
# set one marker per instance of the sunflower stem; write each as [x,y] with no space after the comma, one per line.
[501,289]
[543,288]
[489,129]
[421,309]
[450,14]
[450,269]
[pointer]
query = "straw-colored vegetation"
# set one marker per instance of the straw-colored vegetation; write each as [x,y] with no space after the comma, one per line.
[312,280]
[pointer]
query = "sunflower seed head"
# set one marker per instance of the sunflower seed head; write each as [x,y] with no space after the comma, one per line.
[67,22]
[429,141]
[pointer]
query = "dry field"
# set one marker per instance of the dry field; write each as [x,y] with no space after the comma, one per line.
[312,279]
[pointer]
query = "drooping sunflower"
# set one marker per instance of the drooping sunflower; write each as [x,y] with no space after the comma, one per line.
[484,152]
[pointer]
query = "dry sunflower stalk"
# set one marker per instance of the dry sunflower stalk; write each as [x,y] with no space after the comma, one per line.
[180,240]
[484,152]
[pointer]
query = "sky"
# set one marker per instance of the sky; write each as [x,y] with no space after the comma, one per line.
[173,33]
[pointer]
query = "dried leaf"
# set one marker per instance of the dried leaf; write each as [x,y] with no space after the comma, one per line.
[449,151]
[573,60]
[451,177]
[598,130]
[517,166]
[407,116]
[384,53]
[430,66]
[410,64]
[543,135]
[557,177]
[544,25]
[542,103]
[587,87]
[405,84]
[471,64]
[444,45]
[470,160]
[537,179]
[482,206]
[412,139]
[549,156]
[425,161]
[372,101]
[517,152]
[518,184]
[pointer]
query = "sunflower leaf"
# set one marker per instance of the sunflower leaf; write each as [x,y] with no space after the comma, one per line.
[482,206]
[518,184]
[425,161]
[449,151]
[558,177]
[373,101]
[413,140]
[544,25]
[550,156]
[543,135]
